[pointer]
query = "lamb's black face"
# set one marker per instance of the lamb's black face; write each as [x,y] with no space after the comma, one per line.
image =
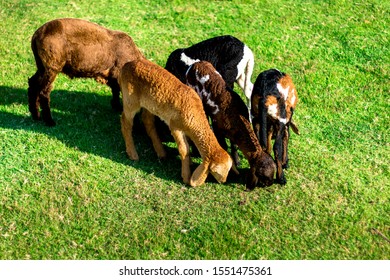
[266,180]
[262,173]
[266,169]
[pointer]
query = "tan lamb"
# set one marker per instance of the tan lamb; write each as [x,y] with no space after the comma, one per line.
[146,85]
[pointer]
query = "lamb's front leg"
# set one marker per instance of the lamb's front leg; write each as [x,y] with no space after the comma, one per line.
[278,153]
[184,152]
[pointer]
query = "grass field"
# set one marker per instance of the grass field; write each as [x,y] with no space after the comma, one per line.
[70,192]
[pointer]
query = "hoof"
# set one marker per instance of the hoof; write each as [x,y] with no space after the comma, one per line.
[35,116]
[50,122]
[134,157]
[282,181]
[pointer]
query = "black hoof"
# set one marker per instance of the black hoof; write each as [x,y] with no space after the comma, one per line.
[282,181]
[50,122]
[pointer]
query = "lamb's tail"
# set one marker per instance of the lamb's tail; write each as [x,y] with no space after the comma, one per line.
[38,60]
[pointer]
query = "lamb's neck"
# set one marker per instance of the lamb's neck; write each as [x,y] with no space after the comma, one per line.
[249,145]
[205,142]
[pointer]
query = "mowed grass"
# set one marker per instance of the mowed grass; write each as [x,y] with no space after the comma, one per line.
[70,192]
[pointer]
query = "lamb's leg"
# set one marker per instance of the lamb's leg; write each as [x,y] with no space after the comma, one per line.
[256,127]
[44,96]
[233,147]
[286,136]
[263,124]
[33,95]
[115,89]
[278,152]
[148,120]
[127,119]
[244,80]
[270,132]
[241,83]
[184,152]
[245,84]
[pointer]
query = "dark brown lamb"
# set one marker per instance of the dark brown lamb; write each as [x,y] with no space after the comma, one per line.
[230,119]
[77,48]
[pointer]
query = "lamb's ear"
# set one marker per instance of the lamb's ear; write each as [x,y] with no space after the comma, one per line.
[294,127]
[251,180]
[199,175]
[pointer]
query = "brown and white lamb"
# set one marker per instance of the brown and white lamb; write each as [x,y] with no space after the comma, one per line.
[77,48]
[230,119]
[274,99]
[146,85]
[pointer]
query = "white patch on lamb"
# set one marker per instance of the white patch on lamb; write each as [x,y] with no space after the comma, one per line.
[282,120]
[244,73]
[212,104]
[187,60]
[293,97]
[273,111]
[247,56]
[204,79]
[283,91]
[205,95]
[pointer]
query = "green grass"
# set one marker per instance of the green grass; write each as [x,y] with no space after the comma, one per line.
[70,192]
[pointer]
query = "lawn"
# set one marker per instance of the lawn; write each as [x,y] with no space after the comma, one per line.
[70,191]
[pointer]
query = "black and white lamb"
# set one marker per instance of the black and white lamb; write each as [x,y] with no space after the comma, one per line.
[230,57]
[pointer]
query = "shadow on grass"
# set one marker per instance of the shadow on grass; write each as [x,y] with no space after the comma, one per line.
[86,122]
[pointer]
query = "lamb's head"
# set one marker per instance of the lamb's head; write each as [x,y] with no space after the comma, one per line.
[262,171]
[218,165]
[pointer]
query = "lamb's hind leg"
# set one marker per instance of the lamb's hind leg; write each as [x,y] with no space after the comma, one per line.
[34,87]
[244,77]
[46,86]
[115,89]
[245,84]
[148,120]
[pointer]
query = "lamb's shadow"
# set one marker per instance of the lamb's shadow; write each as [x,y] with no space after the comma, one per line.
[86,121]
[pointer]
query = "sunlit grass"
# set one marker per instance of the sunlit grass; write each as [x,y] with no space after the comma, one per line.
[70,192]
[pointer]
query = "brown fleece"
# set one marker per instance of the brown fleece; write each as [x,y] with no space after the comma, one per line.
[149,86]
[77,48]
